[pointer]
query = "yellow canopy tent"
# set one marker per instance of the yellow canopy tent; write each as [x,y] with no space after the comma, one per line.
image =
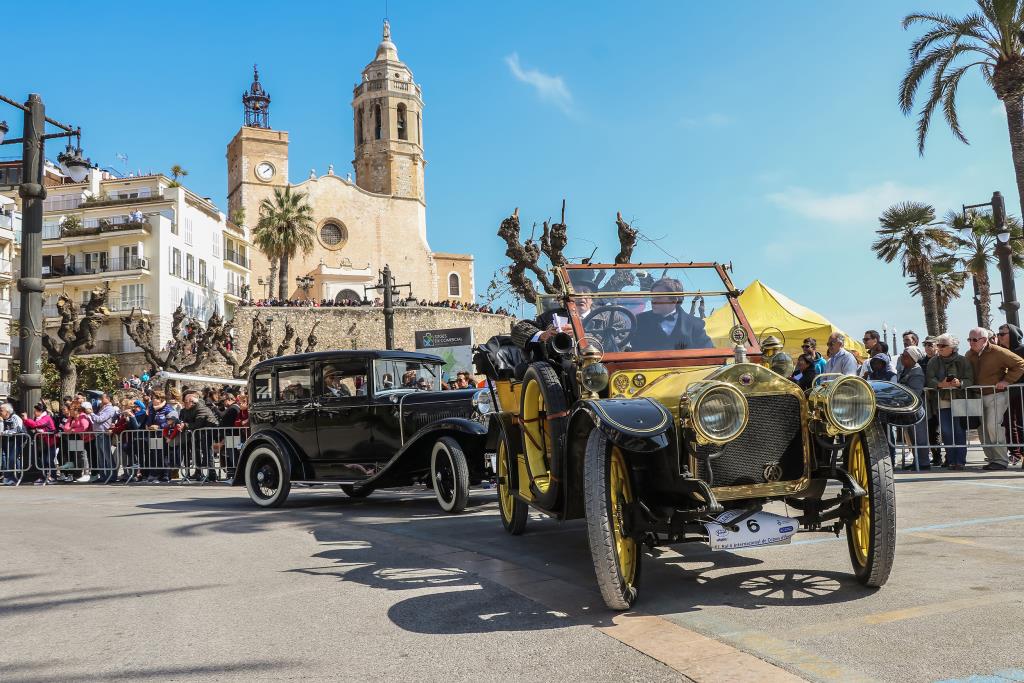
[765,308]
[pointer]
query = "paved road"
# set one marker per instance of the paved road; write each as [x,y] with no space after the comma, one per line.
[173,583]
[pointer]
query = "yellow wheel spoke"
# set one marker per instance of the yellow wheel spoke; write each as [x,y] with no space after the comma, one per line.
[861,525]
[620,493]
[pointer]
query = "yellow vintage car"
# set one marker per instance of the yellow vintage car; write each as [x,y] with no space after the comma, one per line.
[618,406]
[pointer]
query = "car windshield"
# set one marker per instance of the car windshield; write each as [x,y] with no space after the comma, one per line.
[649,308]
[393,374]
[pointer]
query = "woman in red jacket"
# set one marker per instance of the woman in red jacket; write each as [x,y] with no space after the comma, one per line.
[42,423]
[78,423]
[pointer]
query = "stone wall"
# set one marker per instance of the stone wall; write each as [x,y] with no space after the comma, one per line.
[363,327]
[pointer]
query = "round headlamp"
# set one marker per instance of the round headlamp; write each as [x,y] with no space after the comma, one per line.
[847,404]
[717,411]
[594,377]
[482,402]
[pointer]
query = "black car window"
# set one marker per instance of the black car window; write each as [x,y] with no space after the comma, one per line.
[344,378]
[394,374]
[293,384]
[262,388]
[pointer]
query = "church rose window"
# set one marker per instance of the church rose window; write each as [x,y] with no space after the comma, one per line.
[333,235]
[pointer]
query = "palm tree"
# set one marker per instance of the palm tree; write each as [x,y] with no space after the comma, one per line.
[285,228]
[949,279]
[177,172]
[976,243]
[908,232]
[990,39]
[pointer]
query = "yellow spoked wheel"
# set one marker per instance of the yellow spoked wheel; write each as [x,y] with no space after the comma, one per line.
[514,512]
[544,414]
[608,490]
[871,530]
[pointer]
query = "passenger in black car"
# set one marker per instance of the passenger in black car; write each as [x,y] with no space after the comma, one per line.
[666,326]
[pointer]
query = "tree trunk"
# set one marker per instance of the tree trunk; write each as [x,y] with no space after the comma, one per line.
[272,277]
[1014,106]
[68,378]
[282,282]
[983,290]
[926,285]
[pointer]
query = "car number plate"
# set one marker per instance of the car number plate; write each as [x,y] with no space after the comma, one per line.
[761,528]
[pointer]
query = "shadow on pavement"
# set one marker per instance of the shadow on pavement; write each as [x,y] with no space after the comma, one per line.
[26,604]
[134,674]
[469,576]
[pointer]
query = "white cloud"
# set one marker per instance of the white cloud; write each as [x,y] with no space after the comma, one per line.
[712,120]
[860,206]
[549,88]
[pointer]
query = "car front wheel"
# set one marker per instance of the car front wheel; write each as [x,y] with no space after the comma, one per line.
[608,490]
[514,512]
[266,477]
[450,474]
[871,533]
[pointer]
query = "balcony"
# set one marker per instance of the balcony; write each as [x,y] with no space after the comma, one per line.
[118,304]
[237,257]
[136,196]
[114,265]
[96,227]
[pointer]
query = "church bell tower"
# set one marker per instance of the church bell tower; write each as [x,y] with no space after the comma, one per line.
[388,120]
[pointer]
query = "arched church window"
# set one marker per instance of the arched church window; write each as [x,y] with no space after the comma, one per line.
[454,285]
[359,126]
[376,122]
[403,132]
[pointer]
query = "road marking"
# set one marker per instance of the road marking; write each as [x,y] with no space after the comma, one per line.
[891,616]
[959,541]
[1003,676]
[911,530]
[987,483]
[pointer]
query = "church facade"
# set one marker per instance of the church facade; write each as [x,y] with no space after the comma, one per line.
[362,224]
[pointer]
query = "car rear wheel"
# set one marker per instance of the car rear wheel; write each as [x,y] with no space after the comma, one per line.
[514,512]
[353,492]
[608,489]
[450,474]
[871,533]
[267,478]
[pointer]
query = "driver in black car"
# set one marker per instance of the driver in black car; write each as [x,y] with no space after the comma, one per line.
[666,326]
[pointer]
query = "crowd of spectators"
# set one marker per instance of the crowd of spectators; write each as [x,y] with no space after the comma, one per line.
[376,303]
[982,389]
[78,436]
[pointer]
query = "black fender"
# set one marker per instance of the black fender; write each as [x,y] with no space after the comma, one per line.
[414,455]
[636,425]
[895,404]
[297,467]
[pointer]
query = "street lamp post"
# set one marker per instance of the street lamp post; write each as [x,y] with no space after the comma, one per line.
[1004,253]
[305,283]
[389,288]
[32,192]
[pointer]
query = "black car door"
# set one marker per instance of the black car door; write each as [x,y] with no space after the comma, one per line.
[345,419]
[294,411]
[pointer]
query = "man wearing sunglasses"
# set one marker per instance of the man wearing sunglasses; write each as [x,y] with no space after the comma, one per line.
[839,359]
[995,367]
[810,347]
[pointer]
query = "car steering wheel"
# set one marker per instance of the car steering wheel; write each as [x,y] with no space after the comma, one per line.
[612,323]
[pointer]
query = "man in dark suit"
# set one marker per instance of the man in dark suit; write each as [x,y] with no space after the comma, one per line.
[666,327]
[530,335]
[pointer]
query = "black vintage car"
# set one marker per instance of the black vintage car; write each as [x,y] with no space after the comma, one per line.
[363,420]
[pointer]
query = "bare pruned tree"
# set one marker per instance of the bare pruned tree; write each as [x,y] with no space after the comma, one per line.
[189,347]
[526,256]
[257,349]
[75,333]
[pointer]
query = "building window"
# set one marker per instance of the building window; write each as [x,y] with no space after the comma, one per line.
[403,131]
[333,234]
[202,272]
[454,285]
[175,262]
[359,126]
[376,122]
[419,129]
[132,297]
[190,268]
[188,231]
[216,243]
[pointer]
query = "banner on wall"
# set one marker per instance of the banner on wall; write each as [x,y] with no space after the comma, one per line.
[454,345]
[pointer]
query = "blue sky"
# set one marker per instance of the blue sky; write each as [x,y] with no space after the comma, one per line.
[766,134]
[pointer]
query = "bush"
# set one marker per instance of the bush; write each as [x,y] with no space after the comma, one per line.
[94,372]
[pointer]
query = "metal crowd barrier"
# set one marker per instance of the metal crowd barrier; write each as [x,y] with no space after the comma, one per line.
[149,455]
[15,456]
[214,451]
[956,420]
[78,455]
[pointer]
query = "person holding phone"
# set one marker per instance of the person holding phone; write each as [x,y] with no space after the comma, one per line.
[949,372]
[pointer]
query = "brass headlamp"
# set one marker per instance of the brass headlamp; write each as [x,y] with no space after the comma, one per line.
[841,404]
[717,412]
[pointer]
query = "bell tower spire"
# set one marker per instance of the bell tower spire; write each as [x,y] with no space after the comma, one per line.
[388,121]
[256,103]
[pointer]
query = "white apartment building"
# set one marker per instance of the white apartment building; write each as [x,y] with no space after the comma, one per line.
[156,244]
[10,228]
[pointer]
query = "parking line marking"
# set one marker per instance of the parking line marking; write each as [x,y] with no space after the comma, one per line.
[958,540]
[905,613]
[987,483]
